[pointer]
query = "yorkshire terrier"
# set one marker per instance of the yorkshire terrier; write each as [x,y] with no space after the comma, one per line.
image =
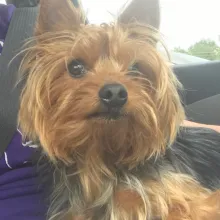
[104,105]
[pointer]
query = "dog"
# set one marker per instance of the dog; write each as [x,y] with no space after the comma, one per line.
[104,106]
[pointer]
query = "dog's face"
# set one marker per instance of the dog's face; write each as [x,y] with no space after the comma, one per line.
[97,92]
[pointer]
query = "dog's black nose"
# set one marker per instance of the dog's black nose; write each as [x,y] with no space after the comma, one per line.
[113,95]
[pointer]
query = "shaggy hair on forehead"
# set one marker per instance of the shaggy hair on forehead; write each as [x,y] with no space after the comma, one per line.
[135,166]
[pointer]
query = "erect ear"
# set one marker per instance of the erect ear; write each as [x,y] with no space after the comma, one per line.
[58,15]
[142,11]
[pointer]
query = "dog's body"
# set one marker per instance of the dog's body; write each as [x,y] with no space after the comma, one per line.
[104,106]
[195,153]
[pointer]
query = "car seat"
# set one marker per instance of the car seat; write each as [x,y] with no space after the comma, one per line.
[201,94]
[20,28]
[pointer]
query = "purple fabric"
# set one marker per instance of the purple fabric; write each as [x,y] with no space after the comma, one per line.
[20,196]
[6,12]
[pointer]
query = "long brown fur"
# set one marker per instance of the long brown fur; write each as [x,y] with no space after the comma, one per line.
[55,110]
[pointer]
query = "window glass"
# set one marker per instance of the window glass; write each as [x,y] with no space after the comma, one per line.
[190,28]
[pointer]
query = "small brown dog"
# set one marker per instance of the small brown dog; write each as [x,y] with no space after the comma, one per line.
[104,105]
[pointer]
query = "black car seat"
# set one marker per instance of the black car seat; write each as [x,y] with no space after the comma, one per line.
[21,28]
[201,91]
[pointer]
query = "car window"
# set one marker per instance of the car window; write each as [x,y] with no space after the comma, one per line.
[190,28]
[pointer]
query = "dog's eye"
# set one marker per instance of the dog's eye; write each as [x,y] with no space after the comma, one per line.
[76,68]
[133,70]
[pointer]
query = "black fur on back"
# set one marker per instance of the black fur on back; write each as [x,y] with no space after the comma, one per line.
[197,152]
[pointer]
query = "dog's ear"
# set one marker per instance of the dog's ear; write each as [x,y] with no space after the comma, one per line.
[142,11]
[57,15]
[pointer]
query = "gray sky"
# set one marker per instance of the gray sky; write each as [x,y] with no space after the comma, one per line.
[183,21]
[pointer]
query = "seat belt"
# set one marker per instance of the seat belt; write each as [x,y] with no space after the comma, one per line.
[20,28]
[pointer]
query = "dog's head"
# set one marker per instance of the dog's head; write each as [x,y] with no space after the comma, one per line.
[98,93]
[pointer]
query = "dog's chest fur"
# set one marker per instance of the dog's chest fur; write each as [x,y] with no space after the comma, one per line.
[195,153]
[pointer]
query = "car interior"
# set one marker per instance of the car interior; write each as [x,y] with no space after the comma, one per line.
[201,93]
